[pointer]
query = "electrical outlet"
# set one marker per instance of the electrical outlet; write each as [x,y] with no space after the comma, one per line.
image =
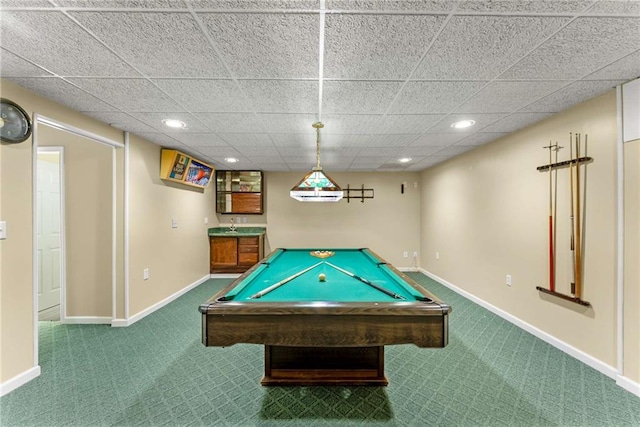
[508,279]
[206,220]
[405,254]
[415,254]
[3,229]
[244,219]
[145,274]
[174,223]
[437,255]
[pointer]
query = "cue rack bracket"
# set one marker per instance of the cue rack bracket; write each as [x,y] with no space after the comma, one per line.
[359,193]
[559,165]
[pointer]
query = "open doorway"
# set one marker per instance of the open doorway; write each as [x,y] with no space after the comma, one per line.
[50,232]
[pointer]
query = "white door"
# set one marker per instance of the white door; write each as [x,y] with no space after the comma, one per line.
[49,233]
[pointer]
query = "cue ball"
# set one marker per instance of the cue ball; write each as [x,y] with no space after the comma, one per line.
[322,277]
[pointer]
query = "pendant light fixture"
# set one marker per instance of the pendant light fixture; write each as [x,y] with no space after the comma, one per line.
[316,186]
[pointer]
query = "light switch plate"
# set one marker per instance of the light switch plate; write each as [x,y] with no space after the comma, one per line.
[3,230]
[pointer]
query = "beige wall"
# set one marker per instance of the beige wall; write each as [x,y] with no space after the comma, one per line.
[486,212]
[88,220]
[632,260]
[388,224]
[175,257]
[16,285]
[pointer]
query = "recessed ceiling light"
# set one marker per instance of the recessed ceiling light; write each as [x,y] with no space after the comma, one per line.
[405,160]
[463,124]
[231,160]
[172,123]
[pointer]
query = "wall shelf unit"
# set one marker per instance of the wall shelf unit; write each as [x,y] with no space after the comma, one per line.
[239,192]
[176,166]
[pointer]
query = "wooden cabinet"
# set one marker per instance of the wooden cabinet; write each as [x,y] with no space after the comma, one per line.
[239,192]
[235,254]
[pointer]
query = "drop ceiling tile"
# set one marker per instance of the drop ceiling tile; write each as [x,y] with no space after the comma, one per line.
[428,162]
[572,94]
[376,151]
[142,4]
[358,96]
[433,97]
[199,139]
[120,120]
[24,3]
[364,167]
[626,68]
[128,94]
[204,96]
[370,160]
[231,122]
[155,120]
[350,123]
[415,151]
[520,6]
[360,46]
[155,34]
[439,139]
[505,97]
[454,150]
[515,121]
[341,140]
[248,151]
[288,123]
[13,66]
[480,138]
[482,47]
[582,47]
[408,124]
[247,139]
[281,96]
[63,92]
[266,45]
[218,151]
[482,120]
[254,4]
[294,139]
[161,139]
[396,5]
[390,140]
[36,34]
[617,7]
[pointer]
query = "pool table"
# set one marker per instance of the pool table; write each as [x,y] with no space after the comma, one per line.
[324,315]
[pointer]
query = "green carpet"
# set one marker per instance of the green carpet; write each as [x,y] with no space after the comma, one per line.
[156,372]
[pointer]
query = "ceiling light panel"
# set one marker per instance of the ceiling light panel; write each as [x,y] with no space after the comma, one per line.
[358,96]
[357,45]
[76,52]
[156,33]
[579,49]
[482,47]
[206,95]
[156,121]
[481,120]
[266,45]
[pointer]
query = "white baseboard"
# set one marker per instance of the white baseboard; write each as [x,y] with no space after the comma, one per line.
[408,269]
[608,370]
[19,380]
[86,320]
[144,313]
[628,385]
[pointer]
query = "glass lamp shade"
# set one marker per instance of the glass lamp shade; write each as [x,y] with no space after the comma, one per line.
[316,186]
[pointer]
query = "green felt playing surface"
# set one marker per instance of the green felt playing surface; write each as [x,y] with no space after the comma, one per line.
[337,286]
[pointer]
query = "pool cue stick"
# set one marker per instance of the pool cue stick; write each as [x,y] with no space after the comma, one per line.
[363,280]
[573,258]
[552,285]
[282,282]
[555,212]
[578,251]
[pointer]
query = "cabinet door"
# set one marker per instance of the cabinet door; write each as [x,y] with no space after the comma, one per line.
[224,251]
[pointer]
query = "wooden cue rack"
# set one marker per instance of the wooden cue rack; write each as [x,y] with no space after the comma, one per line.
[572,163]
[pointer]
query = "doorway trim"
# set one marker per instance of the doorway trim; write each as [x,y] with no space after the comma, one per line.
[63,248]
[39,119]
